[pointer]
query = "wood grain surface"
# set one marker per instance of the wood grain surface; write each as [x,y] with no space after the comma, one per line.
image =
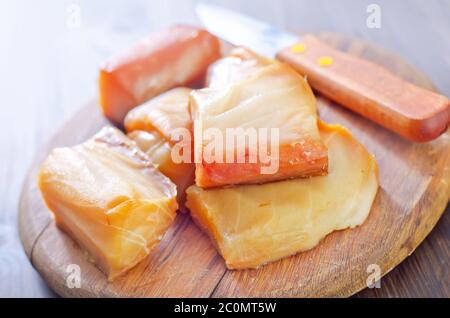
[415,189]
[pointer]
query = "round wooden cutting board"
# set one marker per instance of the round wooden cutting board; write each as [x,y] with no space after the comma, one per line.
[414,191]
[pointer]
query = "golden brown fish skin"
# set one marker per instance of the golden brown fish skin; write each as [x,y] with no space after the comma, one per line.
[246,85]
[253,225]
[211,175]
[107,195]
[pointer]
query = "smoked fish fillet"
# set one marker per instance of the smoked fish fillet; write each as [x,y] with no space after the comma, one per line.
[159,152]
[152,124]
[107,195]
[247,91]
[178,55]
[163,113]
[253,225]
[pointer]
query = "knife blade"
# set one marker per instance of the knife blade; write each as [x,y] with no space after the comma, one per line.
[244,31]
[357,84]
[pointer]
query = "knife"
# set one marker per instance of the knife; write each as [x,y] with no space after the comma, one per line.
[362,86]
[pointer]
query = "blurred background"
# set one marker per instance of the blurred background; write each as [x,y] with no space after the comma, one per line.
[49,57]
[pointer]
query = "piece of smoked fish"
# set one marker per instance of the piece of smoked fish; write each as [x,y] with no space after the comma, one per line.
[107,195]
[153,125]
[176,56]
[159,152]
[164,113]
[250,93]
[253,225]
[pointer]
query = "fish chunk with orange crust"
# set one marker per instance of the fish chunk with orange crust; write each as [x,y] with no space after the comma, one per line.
[107,195]
[252,225]
[152,126]
[249,93]
[176,56]
[159,151]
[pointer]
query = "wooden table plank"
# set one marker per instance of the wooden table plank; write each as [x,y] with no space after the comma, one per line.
[49,70]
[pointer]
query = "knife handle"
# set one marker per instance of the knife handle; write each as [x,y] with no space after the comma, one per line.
[370,90]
